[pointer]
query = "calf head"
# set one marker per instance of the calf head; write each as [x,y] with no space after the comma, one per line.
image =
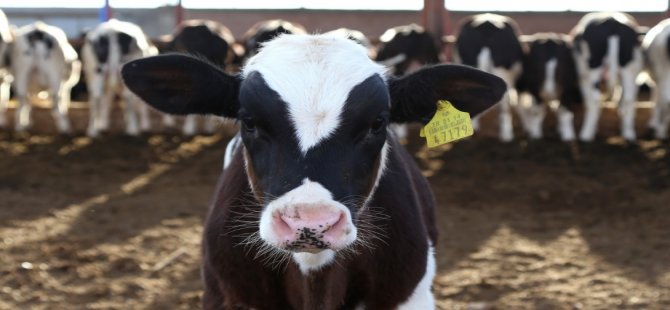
[314,111]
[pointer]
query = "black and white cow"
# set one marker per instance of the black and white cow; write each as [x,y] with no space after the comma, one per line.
[266,30]
[657,46]
[607,52]
[6,38]
[490,42]
[207,39]
[106,48]
[320,206]
[405,49]
[42,59]
[549,75]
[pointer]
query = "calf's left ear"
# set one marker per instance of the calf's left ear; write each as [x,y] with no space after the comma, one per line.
[181,84]
[414,97]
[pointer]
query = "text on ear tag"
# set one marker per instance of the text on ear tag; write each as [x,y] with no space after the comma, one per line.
[448,124]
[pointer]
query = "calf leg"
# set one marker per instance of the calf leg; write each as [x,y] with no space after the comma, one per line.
[59,109]
[130,113]
[628,97]
[506,133]
[190,125]
[532,116]
[565,123]
[210,125]
[95,89]
[662,111]
[4,101]
[591,93]
[22,119]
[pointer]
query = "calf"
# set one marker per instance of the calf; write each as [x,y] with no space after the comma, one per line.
[106,48]
[404,50]
[490,42]
[407,48]
[42,59]
[354,35]
[319,207]
[5,77]
[264,31]
[657,46]
[607,50]
[207,39]
[549,74]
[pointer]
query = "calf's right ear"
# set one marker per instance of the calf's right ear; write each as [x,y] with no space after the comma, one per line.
[181,84]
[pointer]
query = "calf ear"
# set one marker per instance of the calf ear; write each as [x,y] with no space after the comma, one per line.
[414,97]
[180,84]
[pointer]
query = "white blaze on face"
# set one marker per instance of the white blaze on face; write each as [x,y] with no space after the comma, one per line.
[313,75]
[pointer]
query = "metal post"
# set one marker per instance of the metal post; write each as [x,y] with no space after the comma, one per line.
[178,13]
[105,12]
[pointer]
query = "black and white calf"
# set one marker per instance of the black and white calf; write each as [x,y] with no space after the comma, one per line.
[42,59]
[607,52]
[490,42]
[320,207]
[207,39]
[406,49]
[106,48]
[657,46]
[267,30]
[549,75]
[5,78]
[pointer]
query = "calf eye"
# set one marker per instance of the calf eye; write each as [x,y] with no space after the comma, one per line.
[248,125]
[378,125]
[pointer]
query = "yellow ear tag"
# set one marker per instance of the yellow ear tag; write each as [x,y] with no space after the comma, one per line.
[448,124]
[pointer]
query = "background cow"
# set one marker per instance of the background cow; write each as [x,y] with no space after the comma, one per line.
[308,182]
[549,75]
[490,42]
[5,77]
[106,49]
[657,46]
[607,52]
[211,41]
[42,59]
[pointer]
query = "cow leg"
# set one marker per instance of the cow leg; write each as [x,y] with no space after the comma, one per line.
[130,111]
[506,133]
[210,125]
[565,123]
[95,85]
[106,104]
[629,95]
[22,119]
[190,125]
[661,112]
[532,116]
[4,101]
[591,93]
[61,103]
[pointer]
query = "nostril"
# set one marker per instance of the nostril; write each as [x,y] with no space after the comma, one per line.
[281,227]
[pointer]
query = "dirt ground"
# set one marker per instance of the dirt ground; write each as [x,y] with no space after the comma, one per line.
[115,222]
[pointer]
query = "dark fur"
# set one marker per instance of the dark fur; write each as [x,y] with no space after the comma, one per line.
[208,39]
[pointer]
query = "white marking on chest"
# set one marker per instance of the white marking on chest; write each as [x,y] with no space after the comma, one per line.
[308,262]
[422,297]
[313,74]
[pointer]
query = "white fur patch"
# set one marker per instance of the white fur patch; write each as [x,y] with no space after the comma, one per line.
[549,85]
[422,297]
[308,262]
[313,74]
